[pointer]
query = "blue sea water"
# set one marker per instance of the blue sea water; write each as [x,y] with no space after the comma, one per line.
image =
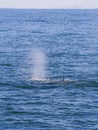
[69,39]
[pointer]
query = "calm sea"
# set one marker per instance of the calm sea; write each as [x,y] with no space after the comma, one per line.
[69,41]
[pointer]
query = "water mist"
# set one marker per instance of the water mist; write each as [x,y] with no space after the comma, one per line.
[39,64]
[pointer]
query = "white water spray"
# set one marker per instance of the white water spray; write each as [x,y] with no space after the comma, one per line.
[39,68]
[39,64]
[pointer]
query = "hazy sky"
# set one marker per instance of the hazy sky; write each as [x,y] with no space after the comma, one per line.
[48,3]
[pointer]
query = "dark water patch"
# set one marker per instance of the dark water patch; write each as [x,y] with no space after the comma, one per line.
[5,84]
[74,34]
[37,86]
[7,64]
[39,20]
[37,32]
[87,83]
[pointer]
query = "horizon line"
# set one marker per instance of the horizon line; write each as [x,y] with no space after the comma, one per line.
[49,8]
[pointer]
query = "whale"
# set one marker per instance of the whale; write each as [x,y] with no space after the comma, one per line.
[53,81]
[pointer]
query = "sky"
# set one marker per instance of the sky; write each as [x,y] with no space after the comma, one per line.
[57,4]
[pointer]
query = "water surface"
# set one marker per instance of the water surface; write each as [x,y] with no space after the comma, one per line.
[69,39]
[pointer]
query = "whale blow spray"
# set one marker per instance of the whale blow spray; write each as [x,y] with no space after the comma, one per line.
[39,63]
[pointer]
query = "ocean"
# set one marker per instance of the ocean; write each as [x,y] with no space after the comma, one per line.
[68,41]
